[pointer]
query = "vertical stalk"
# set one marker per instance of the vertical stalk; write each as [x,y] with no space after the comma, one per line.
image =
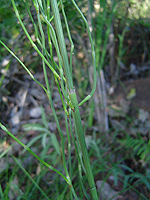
[62,45]
[86,160]
[73,98]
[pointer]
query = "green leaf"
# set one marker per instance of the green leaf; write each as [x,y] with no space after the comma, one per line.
[55,143]
[36,127]
[32,142]
[131,94]
[44,138]
[44,118]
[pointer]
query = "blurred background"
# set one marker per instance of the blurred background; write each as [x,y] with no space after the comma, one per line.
[116,120]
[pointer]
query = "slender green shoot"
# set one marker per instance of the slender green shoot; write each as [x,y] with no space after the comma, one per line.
[28,149]
[28,175]
[64,82]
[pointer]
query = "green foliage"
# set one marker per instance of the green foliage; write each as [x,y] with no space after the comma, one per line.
[63,77]
[101,152]
[7,19]
[9,28]
[139,147]
[46,137]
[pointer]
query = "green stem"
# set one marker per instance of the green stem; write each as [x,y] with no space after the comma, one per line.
[30,39]
[86,160]
[53,36]
[73,98]
[31,75]
[28,149]
[32,180]
[50,99]
[79,157]
[62,45]
[93,55]
[69,35]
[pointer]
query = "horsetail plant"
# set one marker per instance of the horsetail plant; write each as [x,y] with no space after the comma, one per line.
[64,81]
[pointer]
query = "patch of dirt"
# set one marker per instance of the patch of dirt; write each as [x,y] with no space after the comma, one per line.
[142,93]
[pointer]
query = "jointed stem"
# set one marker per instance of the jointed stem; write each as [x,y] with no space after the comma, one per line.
[51,103]
[66,84]
[33,44]
[62,45]
[83,146]
[73,98]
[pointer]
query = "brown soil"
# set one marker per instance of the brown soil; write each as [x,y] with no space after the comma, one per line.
[142,87]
